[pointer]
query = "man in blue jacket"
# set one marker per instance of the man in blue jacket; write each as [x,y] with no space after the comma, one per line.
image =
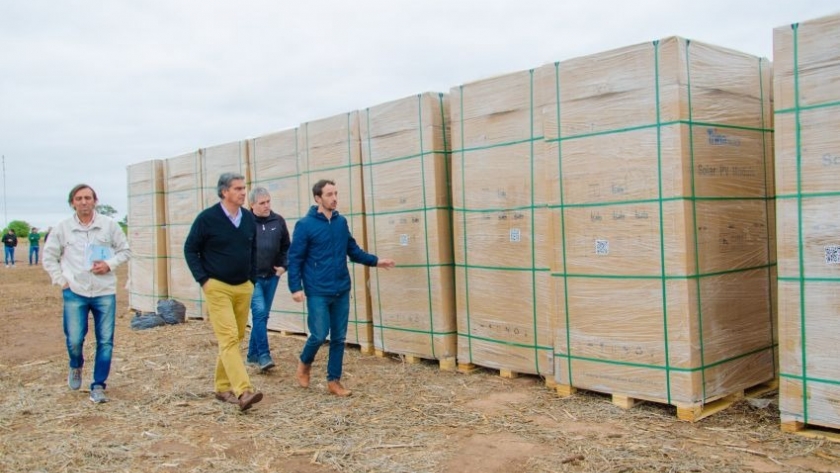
[318,255]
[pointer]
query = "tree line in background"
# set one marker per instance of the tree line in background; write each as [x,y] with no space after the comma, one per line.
[22,228]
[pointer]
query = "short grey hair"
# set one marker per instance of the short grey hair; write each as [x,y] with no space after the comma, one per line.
[256,193]
[226,180]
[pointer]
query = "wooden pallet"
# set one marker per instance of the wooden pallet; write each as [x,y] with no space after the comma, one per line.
[812,431]
[289,334]
[468,368]
[365,349]
[688,412]
[446,364]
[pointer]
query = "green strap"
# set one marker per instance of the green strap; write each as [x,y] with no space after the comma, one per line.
[353,219]
[662,223]
[669,277]
[462,152]
[694,218]
[142,194]
[659,125]
[306,171]
[805,379]
[802,324]
[534,325]
[426,224]
[256,160]
[563,221]
[373,212]
[804,108]
[667,368]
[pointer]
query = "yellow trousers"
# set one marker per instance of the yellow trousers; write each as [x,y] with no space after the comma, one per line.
[228,307]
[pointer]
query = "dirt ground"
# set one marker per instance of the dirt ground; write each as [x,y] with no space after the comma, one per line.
[402,417]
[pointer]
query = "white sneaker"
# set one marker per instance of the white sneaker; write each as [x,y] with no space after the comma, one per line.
[74,378]
[97,395]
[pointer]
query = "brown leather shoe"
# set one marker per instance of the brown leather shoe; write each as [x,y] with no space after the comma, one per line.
[302,374]
[335,387]
[227,396]
[248,399]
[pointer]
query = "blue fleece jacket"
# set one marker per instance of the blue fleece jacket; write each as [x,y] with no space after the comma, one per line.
[318,255]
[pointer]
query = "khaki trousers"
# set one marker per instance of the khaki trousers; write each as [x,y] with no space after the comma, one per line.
[228,307]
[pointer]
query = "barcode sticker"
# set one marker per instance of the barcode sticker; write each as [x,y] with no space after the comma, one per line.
[403,240]
[832,254]
[515,235]
[602,247]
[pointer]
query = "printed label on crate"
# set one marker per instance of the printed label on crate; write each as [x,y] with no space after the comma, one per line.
[403,240]
[602,247]
[515,235]
[832,254]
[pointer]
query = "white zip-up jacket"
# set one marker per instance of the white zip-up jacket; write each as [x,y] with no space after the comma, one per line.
[67,255]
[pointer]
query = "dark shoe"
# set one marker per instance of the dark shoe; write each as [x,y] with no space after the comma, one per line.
[248,399]
[302,374]
[335,387]
[227,396]
[266,364]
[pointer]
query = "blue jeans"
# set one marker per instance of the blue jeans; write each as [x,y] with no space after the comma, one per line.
[10,254]
[33,250]
[328,315]
[76,309]
[261,300]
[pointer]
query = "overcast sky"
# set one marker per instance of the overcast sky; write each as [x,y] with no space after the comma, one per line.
[88,87]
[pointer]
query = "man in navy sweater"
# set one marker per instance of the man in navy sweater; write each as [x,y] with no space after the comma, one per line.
[221,252]
[321,244]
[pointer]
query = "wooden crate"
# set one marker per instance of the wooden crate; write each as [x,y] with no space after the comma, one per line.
[501,226]
[661,185]
[183,203]
[147,270]
[274,164]
[807,113]
[408,213]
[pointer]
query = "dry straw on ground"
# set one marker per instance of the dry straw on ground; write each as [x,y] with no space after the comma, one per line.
[401,418]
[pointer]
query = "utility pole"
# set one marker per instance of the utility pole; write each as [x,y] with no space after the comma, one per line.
[5,211]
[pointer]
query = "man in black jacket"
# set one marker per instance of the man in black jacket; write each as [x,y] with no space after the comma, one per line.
[272,253]
[10,242]
[221,251]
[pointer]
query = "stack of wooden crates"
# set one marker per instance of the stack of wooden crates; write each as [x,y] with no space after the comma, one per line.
[807,85]
[407,208]
[147,270]
[661,182]
[607,222]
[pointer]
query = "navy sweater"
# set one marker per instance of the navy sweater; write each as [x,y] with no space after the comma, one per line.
[216,249]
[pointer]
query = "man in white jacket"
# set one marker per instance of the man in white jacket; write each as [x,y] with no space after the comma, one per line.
[80,256]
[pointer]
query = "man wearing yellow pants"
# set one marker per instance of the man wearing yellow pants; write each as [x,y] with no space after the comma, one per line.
[221,253]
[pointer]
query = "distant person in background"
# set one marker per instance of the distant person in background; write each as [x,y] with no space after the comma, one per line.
[81,256]
[221,251]
[321,244]
[34,245]
[272,253]
[9,243]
